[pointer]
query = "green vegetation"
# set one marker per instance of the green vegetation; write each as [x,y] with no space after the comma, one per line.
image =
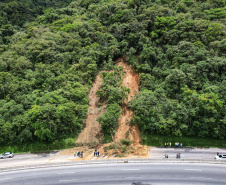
[126,142]
[119,149]
[52,50]
[36,147]
[112,91]
[157,140]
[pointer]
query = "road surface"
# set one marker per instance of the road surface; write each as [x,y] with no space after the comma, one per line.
[155,154]
[120,174]
[186,153]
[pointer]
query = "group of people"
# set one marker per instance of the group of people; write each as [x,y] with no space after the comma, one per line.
[177,144]
[167,144]
[166,156]
[96,153]
[79,154]
[178,155]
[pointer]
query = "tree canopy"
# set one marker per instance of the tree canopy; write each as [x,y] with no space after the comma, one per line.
[52,50]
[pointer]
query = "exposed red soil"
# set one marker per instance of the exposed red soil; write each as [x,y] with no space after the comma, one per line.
[125,130]
[91,134]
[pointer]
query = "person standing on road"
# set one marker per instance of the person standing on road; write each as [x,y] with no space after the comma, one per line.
[179,156]
[82,154]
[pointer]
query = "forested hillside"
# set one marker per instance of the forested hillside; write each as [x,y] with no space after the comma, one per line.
[52,50]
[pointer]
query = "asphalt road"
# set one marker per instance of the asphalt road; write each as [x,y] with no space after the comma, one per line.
[155,153]
[120,174]
[186,153]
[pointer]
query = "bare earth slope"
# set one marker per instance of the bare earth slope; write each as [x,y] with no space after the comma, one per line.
[91,132]
[125,130]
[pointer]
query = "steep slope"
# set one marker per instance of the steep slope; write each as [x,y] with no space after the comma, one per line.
[125,130]
[91,133]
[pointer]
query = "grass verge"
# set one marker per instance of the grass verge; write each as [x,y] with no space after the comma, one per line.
[159,140]
[39,147]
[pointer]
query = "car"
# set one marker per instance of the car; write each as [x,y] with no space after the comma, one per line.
[7,154]
[220,157]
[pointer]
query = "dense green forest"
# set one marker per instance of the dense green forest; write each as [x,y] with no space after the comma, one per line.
[52,50]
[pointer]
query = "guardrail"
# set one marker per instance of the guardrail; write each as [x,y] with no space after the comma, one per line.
[109,161]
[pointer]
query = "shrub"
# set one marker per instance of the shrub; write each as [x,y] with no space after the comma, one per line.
[126,142]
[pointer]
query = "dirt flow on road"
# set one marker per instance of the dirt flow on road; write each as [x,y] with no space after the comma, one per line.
[91,134]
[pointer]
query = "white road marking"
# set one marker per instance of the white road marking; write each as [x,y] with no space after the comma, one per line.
[201,178]
[68,180]
[6,179]
[130,169]
[64,173]
[193,170]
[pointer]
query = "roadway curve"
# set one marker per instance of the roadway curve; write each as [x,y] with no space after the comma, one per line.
[118,174]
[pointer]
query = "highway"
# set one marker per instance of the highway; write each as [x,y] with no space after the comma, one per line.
[120,174]
[186,153]
[155,153]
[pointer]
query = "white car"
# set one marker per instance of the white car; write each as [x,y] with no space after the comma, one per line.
[220,157]
[7,154]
